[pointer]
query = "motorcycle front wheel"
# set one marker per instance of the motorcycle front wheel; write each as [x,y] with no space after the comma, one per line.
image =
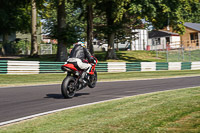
[93,80]
[68,87]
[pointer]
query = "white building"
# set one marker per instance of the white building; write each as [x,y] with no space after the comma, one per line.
[159,40]
[142,39]
[139,42]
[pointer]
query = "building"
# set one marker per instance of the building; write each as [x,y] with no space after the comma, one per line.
[138,40]
[160,40]
[191,37]
[48,39]
[141,39]
[14,38]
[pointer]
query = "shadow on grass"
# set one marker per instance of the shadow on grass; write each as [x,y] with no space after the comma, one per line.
[51,57]
[121,56]
[126,56]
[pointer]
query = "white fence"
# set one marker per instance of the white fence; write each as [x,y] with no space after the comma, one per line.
[36,67]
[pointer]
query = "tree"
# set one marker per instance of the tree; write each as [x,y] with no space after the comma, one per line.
[34,45]
[110,9]
[61,17]
[126,32]
[73,30]
[90,27]
[87,11]
[113,10]
[162,13]
[194,15]
[37,7]
[15,16]
[159,13]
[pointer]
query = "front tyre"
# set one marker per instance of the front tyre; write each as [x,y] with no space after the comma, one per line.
[92,80]
[68,87]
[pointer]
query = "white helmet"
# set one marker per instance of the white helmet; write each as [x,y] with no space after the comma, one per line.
[82,44]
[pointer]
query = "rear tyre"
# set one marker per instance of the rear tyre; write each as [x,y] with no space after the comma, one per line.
[92,80]
[68,87]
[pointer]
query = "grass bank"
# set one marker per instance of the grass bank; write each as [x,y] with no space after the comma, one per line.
[169,111]
[134,56]
[123,56]
[36,79]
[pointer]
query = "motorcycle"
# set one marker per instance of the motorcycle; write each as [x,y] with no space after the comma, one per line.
[71,83]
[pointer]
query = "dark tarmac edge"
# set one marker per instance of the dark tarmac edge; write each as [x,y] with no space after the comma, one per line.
[15,121]
[172,86]
[102,81]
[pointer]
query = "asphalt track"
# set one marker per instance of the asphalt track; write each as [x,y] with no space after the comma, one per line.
[17,102]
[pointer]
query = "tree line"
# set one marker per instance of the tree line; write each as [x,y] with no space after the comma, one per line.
[70,21]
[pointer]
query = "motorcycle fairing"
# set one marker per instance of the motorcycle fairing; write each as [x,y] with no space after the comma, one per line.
[70,66]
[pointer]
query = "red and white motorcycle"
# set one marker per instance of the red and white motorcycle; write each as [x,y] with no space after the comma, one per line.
[71,83]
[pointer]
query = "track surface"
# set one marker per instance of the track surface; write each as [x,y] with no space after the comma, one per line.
[17,102]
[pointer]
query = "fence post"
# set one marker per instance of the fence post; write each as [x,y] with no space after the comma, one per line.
[156,50]
[199,46]
[167,53]
[190,53]
[182,52]
[179,54]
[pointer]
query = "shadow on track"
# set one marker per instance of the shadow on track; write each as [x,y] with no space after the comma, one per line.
[60,96]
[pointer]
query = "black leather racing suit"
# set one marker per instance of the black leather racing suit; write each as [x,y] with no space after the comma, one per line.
[77,55]
[80,52]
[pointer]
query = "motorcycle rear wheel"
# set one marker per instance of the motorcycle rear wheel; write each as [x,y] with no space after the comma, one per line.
[68,87]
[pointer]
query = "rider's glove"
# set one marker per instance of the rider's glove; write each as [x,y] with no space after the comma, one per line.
[91,60]
[94,62]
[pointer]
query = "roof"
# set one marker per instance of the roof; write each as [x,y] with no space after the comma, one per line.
[195,26]
[46,37]
[161,33]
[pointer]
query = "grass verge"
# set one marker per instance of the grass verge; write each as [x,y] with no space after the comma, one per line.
[38,79]
[169,111]
[123,56]
[133,56]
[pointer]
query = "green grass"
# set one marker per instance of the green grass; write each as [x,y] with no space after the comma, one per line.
[134,56]
[178,56]
[33,79]
[123,56]
[169,111]
[51,57]
[187,56]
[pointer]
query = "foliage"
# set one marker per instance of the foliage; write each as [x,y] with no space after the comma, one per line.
[161,12]
[17,47]
[194,15]
[22,46]
[74,28]
[54,48]
[15,16]
[110,16]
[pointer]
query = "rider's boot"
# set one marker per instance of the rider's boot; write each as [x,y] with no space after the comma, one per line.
[84,76]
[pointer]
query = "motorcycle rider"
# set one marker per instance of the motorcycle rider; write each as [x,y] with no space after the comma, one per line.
[77,55]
